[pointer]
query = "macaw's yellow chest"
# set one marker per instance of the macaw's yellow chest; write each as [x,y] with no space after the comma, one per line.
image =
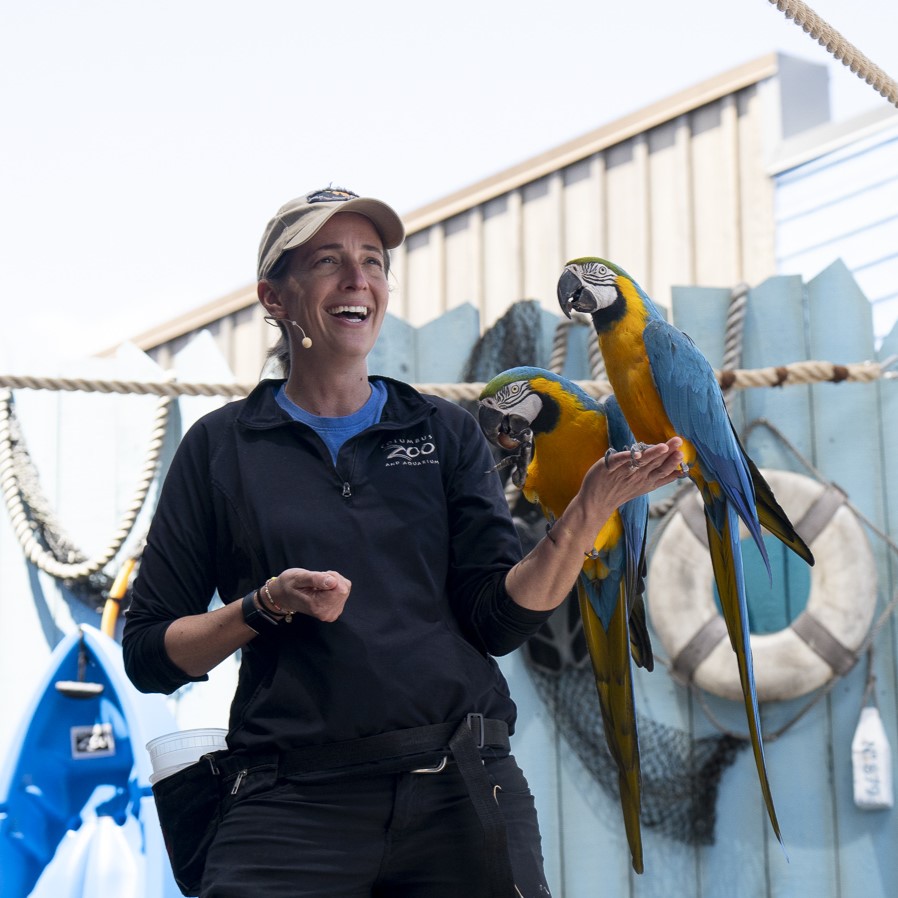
[561,459]
[630,375]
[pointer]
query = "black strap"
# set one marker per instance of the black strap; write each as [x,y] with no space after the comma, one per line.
[397,750]
[467,756]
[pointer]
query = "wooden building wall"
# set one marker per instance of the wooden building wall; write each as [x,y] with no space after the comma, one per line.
[677,193]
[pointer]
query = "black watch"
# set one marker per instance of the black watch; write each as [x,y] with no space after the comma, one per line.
[256,617]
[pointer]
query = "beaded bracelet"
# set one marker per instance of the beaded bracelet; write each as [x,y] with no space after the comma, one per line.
[288,615]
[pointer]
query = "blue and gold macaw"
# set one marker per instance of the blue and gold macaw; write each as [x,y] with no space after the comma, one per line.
[560,432]
[666,387]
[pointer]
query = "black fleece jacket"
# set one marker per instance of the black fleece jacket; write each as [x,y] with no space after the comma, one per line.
[412,514]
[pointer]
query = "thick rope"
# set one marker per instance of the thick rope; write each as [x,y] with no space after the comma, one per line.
[732,340]
[24,525]
[839,47]
[595,357]
[42,518]
[156,388]
[793,374]
[559,345]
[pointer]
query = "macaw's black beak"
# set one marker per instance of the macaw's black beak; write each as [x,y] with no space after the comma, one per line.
[490,420]
[569,289]
[504,431]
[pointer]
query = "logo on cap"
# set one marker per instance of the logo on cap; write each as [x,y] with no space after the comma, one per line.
[331,195]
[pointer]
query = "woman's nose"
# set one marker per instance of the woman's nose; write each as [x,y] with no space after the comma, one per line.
[354,276]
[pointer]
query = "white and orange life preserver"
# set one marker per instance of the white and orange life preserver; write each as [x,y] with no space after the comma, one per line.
[820,643]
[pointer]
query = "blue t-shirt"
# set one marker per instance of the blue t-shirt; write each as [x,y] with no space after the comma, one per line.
[336,431]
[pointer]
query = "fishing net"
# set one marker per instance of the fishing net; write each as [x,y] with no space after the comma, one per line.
[680,774]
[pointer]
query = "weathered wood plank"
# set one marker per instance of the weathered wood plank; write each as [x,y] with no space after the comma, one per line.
[840,411]
[775,334]
[394,353]
[437,350]
[534,744]
[887,639]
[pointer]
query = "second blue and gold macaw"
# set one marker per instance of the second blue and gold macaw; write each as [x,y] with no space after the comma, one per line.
[666,387]
[560,432]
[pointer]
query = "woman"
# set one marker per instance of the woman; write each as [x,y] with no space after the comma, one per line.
[370,571]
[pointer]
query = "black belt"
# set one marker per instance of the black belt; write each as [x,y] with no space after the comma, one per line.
[411,749]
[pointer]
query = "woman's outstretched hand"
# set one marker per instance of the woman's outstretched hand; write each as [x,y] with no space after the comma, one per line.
[318,594]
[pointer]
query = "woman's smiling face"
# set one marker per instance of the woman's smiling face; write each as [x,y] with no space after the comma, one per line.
[335,286]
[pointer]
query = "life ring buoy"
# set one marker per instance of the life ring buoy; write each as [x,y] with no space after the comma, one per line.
[818,644]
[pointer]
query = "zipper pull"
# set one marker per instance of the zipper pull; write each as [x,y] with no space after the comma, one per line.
[347,492]
[238,781]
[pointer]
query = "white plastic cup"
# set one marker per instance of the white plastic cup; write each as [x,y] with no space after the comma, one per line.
[175,751]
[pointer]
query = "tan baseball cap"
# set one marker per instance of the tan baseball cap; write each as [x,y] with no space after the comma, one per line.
[302,218]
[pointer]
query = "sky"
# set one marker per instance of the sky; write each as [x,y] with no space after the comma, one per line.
[146,145]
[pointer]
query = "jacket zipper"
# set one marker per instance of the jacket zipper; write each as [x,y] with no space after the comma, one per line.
[238,781]
[347,487]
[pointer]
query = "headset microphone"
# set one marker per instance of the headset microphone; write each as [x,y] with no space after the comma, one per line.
[306,341]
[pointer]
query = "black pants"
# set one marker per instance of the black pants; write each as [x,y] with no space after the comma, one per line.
[403,835]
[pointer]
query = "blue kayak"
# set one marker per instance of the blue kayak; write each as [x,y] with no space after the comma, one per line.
[77,816]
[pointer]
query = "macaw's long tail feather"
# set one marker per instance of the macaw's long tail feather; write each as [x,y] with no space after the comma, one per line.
[609,652]
[726,560]
[640,642]
[774,519]
[635,517]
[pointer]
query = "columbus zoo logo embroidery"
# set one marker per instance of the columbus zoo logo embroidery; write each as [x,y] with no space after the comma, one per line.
[415,451]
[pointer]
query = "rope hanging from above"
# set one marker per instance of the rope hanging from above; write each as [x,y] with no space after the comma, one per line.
[34,524]
[839,47]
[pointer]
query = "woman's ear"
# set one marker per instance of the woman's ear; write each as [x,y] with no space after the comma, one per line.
[270,299]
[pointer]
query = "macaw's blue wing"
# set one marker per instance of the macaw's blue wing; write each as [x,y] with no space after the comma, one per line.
[694,404]
[635,519]
[609,651]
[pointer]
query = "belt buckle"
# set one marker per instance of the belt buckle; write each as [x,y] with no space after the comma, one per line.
[478,730]
[437,768]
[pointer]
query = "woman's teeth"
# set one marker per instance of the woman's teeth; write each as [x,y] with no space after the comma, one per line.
[356,313]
